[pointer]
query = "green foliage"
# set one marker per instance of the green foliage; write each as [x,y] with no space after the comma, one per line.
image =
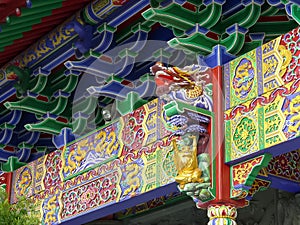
[24,212]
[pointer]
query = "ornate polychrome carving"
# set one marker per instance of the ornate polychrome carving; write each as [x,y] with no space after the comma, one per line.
[258,185]
[56,38]
[134,154]
[50,207]
[191,84]
[91,151]
[244,174]
[262,122]
[108,167]
[192,128]
[261,70]
[101,191]
[243,78]
[285,166]
[222,214]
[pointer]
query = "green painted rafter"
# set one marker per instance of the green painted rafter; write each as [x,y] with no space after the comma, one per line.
[38,107]
[177,17]
[48,125]
[246,18]
[295,11]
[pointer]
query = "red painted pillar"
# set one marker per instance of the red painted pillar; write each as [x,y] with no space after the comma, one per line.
[222,210]
[6,179]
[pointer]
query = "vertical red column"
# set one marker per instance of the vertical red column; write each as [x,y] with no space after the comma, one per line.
[5,179]
[223,171]
[222,210]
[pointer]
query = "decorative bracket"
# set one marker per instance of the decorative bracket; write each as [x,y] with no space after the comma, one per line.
[244,174]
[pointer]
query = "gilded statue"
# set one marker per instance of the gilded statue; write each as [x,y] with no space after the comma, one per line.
[186,163]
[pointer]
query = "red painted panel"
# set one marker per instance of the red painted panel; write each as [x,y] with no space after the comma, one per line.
[5,179]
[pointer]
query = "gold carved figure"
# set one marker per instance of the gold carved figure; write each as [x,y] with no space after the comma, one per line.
[186,163]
